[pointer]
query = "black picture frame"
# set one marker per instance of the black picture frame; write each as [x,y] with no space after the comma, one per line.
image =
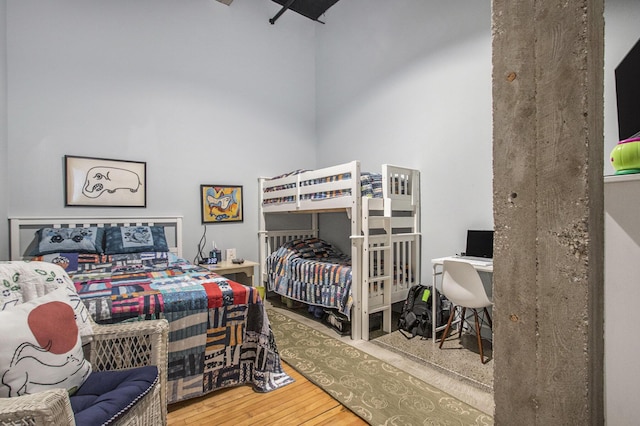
[104,182]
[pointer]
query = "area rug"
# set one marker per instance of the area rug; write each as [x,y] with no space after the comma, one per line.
[374,390]
[458,357]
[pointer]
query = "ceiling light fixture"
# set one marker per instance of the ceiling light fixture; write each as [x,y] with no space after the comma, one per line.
[312,9]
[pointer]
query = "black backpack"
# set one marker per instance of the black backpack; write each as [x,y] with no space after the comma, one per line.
[415,318]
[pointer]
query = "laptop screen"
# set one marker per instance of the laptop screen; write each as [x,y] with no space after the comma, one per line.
[479,243]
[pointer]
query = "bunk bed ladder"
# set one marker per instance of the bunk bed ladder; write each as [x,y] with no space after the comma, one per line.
[377,266]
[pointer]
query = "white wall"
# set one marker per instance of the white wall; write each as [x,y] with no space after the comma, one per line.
[621,33]
[4,184]
[208,93]
[408,82]
[203,92]
[621,293]
[622,232]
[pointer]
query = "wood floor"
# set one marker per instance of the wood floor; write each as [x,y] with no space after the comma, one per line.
[299,403]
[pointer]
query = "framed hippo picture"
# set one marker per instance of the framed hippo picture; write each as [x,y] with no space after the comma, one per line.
[101,182]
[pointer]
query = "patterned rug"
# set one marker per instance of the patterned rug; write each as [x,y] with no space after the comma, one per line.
[374,390]
[458,357]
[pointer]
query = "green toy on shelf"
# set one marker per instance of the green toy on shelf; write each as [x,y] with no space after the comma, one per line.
[625,157]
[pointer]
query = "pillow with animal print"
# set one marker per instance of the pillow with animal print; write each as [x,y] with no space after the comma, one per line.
[41,347]
[67,261]
[67,240]
[135,239]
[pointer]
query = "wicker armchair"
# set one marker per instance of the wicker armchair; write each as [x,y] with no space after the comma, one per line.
[113,347]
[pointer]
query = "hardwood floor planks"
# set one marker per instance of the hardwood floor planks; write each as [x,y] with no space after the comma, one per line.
[299,403]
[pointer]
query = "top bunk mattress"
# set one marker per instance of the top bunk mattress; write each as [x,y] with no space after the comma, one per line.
[338,187]
[370,186]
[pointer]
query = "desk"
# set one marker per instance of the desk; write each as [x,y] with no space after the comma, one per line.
[437,264]
[226,267]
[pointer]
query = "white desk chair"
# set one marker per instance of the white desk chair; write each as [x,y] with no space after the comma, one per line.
[462,285]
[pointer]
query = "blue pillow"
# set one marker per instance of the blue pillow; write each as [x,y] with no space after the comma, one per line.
[67,240]
[67,261]
[135,239]
[107,395]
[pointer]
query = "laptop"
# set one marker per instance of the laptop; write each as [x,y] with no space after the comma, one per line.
[479,245]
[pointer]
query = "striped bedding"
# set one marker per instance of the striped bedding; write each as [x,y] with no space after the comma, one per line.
[370,186]
[311,271]
[219,332]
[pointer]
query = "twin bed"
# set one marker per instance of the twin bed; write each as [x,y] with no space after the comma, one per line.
[383,262]
[219,334]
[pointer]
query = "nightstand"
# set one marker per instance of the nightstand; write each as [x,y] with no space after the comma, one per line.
[238,272]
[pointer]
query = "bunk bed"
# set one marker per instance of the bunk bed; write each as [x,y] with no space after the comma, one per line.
[384,213]
[219,333]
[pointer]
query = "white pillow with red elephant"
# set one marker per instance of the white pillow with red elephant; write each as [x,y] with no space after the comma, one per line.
[22,281]
[41,347]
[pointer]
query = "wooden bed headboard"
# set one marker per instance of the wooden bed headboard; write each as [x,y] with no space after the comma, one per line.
[22,230]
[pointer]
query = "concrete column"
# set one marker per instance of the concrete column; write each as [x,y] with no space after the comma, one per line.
[548,210]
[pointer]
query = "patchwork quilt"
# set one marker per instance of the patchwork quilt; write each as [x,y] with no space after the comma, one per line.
[312,271]
[219,332]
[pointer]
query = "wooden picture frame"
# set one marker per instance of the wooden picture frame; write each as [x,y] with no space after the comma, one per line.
[102,182]
[221,203]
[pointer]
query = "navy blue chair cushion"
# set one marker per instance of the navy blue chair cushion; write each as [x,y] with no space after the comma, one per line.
[107,395]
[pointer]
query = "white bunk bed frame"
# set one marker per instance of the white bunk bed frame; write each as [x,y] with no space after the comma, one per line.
[381,228]
[22,229]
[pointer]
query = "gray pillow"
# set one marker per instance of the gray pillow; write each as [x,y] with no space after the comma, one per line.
[67,240]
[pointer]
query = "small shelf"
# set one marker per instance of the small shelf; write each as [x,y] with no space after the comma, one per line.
[621,178]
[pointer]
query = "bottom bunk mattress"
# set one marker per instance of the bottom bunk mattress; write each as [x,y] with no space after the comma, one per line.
[311,271]
[219,332]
